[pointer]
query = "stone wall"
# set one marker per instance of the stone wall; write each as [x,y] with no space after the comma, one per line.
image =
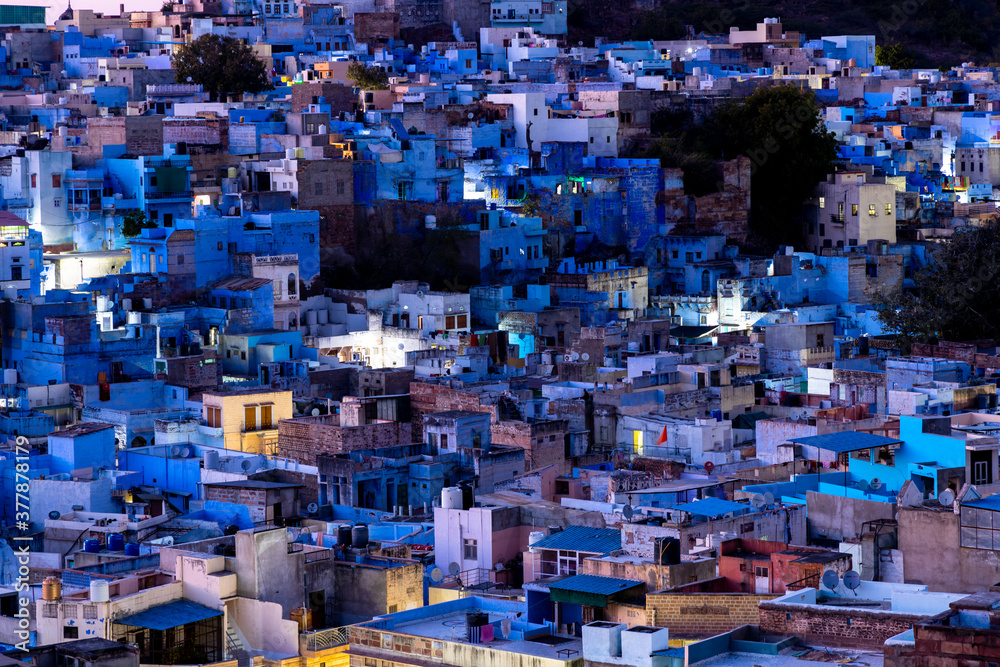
[703,613]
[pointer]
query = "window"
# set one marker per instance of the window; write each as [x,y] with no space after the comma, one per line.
[56,180]
[34,180]
[213,416]
[673,254]
[180,260]
[250,418]
[822,202]
[471,549]
[71,632]
[980,528]
[340,187]
[265,416]
[871,209]
[888,209]
[854,209]
[218,246]
[840,211]
[317,189]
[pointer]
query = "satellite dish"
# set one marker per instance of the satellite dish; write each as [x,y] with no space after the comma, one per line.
[454,569]
[401,346]
[312,508]
[437,575]
[54,515]
[768,498]
[947,498]
[852,579]
[757,501]
[876,484]
[585,356]
[246,464]
[574,356]
[175,450]
[628,512]
[470,115]
[499,566]
[709,467]
[420,294]
[795,417]
[315,412]
[831,579]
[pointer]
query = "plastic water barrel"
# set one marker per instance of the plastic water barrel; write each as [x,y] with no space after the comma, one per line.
[116,542]
[99,591]
[451,498]
[359,536]
[92,546]
[132,549]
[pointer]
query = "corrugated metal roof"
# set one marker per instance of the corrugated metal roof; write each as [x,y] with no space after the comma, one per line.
[169,615]
[581,538]
[844,441]
[710,507]
[987,503]
[593,584]
[240,284]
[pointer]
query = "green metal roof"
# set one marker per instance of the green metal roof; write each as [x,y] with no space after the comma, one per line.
[17,15]
[593,591]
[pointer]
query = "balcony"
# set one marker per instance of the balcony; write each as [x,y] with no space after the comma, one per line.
[182,196]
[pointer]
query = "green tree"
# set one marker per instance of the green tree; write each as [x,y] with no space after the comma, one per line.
[893,55]
[956,296]
[779,129]
[134,221]
[368,77]
[222,65]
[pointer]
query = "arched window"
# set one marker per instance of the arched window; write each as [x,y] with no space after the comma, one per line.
[292,284]
[293,322]
[706,281]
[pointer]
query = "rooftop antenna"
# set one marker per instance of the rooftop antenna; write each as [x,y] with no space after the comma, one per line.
[757,501]
[947,498]
[831,579]
[628,513]
[437,575]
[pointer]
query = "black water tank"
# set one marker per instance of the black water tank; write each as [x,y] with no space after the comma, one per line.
[344,535]
[666,551]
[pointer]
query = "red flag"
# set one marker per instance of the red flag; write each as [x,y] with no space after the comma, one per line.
[663,437]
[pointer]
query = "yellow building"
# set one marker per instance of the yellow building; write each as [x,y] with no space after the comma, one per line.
[246,421]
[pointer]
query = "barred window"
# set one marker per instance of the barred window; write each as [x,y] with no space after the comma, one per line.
[69,611]
[50,610]
[90,611]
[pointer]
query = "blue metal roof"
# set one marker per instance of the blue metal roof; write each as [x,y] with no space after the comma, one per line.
[844,441]
[581,538]
[170,615]
[710,507]
[987,503]
[591,583]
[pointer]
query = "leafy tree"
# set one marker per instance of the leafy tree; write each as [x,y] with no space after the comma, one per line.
[779,129]
[221,65]
[134,221]
[956,296]
[893,55]
[368,77]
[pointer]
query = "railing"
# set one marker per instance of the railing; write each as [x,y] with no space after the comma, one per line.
[326,639]
[183,194]
[811,581]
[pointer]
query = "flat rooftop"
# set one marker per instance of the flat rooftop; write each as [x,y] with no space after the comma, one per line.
[451,628]
[798,656]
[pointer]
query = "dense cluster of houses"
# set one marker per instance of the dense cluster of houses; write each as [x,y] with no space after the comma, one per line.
[627,442]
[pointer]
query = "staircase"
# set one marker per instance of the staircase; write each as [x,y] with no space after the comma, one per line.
[236,647]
